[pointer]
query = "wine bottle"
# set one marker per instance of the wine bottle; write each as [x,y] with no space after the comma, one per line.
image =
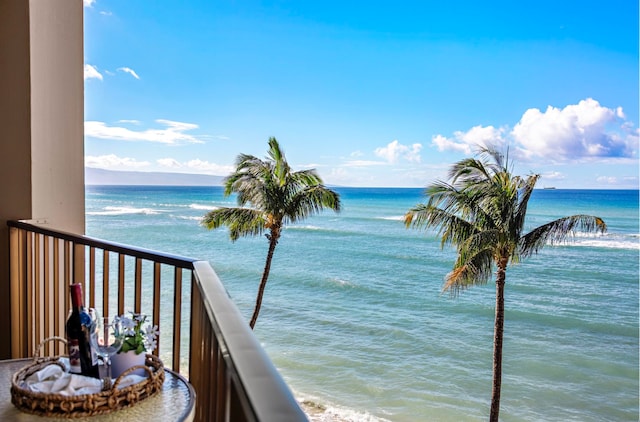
[78,329]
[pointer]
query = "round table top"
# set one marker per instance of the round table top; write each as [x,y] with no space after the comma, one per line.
[174,402]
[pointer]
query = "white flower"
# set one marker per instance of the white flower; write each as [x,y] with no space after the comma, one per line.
[128,326]
[150,340]
[137,336]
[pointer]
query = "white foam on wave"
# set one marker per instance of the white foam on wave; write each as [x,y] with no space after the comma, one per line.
[202,207]
[609,243]
[605,240]
[304,227]
[188,217]
[329,413]
[124,210]
[392,218]
[340,282]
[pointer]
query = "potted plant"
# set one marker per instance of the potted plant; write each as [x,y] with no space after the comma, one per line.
[138,338]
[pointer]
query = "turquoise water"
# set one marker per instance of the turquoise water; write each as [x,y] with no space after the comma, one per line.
[354,319]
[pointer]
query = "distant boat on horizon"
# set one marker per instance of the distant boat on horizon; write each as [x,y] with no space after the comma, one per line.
[549,187]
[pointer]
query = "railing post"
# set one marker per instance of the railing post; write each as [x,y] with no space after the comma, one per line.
[177,317]
[196,375]
[17,264]
[78,264]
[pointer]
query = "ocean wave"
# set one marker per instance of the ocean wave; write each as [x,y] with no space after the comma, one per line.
[202,207]
[392,218]
[123,211]
[606,240]
[318,412]
[609,243]
[187,217]
[341,283]
[304,227]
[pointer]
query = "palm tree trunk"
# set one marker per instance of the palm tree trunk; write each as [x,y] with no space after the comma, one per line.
[273,241]
[498,335]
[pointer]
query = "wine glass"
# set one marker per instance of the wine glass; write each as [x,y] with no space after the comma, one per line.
[107,341]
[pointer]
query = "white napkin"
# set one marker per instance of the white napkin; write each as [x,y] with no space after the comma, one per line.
[53,379]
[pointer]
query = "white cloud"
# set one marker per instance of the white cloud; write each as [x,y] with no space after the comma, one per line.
[173,134]
[466,142]
[195,166]
[177,126]
[207,167]
[88,3]
[382,176]
[447,144]
[91,72]
[609,180]
[129,71]
[581,130]
[338,175]
[578,131]
[308,166]
[364,163]
[553,175]
[169,162]
[395,150]
[131,121]
[112,162]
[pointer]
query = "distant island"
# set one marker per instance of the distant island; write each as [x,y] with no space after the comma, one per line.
[96,176]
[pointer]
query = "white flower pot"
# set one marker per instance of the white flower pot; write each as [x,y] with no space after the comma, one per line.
[120,362]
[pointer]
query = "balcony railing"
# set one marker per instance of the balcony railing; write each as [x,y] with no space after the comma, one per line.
[203,335]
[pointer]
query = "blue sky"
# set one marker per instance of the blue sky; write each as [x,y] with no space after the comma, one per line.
[386,93]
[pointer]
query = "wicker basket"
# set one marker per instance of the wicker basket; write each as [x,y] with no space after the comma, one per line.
[58,405]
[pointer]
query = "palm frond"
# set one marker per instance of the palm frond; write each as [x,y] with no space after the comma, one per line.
[311,200]
[240,221]
[304,178]
[558,231]
[525,191]
[472,267]
[493,158]
[451,199]
[281,167]
[416,216]
[468,171]
[273,192]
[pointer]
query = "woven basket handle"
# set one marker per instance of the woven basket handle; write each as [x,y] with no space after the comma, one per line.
[36,353]
[129,371]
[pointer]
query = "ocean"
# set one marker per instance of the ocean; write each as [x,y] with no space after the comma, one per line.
[354,318]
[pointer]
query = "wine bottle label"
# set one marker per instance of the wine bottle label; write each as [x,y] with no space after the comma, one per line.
[74,356]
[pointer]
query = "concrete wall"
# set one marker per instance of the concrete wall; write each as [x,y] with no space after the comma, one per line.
[41,122]
[57,113]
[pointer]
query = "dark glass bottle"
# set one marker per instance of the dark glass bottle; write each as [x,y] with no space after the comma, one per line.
[78,329]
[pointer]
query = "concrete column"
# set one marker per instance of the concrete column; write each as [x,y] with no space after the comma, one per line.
[41,121]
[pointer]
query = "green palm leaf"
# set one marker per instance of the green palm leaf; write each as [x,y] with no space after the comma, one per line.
[482,212]
[269,195]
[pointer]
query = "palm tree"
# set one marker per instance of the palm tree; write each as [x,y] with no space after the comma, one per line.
[270,195]
[482,212]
